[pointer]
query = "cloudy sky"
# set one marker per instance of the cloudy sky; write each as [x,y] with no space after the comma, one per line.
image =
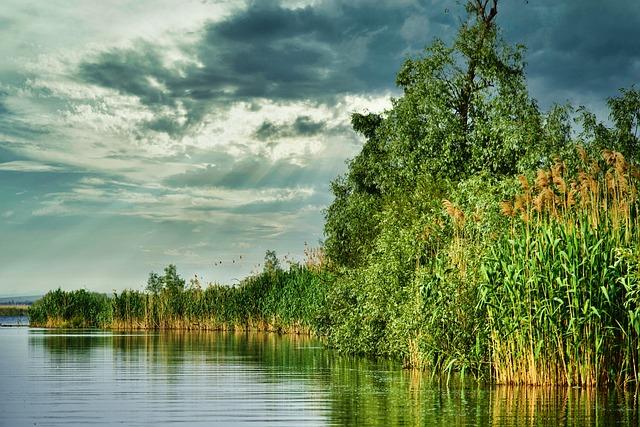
[138,133]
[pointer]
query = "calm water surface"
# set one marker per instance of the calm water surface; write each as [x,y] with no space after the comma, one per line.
[98,377]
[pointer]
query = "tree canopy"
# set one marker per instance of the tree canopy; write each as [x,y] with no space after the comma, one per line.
[465,109]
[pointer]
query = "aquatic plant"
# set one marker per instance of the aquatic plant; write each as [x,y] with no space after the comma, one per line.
[562,288]
[276,300]
[73,309]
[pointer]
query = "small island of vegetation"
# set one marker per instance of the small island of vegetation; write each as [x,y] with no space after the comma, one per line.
[473,233]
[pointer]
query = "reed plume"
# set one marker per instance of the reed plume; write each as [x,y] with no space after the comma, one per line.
[563,289]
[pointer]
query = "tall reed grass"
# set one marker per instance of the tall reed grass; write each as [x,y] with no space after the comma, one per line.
[561,289]
[74,309]
[278,300]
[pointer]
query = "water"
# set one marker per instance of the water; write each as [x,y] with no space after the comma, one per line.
[14,321]
[50,378]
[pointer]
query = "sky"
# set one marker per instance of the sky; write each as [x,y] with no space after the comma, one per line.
[138,133]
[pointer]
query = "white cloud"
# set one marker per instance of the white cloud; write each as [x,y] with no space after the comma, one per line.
[123,166]
[53,207]
[29,166]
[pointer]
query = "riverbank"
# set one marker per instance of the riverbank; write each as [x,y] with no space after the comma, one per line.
[473,233]
[290,301]
[591,342]
[17,310]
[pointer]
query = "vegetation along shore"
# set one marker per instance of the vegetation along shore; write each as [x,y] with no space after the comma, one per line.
[14,310]
[473,233]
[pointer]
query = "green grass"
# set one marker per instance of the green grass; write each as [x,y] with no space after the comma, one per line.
[75,309]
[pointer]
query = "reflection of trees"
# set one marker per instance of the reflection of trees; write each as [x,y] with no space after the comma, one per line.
[72,345]
[350,390]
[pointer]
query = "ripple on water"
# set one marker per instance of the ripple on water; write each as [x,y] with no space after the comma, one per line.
[53,377]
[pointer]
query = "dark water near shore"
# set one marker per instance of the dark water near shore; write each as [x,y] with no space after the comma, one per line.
[14,320]
[97,377]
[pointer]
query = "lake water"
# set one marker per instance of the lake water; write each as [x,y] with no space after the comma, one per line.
[14,321]
[53,377]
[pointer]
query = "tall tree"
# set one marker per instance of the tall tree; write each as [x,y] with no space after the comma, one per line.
[465,109]
[172,281]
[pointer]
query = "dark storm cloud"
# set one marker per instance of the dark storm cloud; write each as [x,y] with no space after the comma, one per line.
[130,71]
[305,126]
[301,126]
[266,51]
[164,124]
[578,50]
[313,52]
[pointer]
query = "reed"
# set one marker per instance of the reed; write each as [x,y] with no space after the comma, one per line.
[539,289]
[74,309]
[561,289]
[281,301]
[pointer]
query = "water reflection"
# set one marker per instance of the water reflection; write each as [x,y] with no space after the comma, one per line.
[14,321]
[247,378]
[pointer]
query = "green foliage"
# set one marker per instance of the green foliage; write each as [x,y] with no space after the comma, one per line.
[351,225]
[442,250]
[273,300]
[76,309]
[464,110]
[172,281]
[561,304]
[154,283]
[560,289]
[623,136]
[417,221]
[271,261]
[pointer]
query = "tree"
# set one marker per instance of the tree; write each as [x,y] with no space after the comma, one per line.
[465,110]
[350,228]
[465,107]
[155,283]
[271,261]
[625,113]
[172,281]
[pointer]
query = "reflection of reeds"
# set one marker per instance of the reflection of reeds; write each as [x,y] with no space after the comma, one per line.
[542,406]
[563,292]
[545,406]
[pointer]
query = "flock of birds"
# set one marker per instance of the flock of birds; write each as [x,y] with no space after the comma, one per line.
[287,259]
[233,261]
